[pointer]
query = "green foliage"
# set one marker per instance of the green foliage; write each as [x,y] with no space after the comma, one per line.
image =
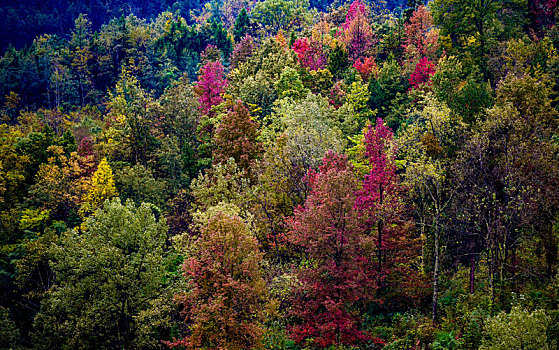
[446,341]
[138,184]
[242,24]
[9,335]
[289,85]
[519,329]
[253,81]
[409,330]
[128,136]
[275,338]
[310,127]
[357,98]
[384,90]
[33,219]
[276,15]
[224,183]
[108,275]
[338,61]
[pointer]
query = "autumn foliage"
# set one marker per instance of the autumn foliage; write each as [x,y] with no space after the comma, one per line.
[223,307]
[236,137]
[310,54]
[386,220]
[358,35]
[279,174]
[211,85]
[422,73]
[338,277]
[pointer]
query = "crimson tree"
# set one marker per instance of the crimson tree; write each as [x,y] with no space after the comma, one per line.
[338,277]
[380,203]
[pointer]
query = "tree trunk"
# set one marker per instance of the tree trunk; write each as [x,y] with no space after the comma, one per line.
[472,273]
[436,278]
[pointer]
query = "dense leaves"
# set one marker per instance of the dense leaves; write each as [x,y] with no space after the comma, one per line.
[334,175]
[224,306]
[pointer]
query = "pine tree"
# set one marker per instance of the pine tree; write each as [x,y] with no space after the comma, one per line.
[338,61]
[242,25]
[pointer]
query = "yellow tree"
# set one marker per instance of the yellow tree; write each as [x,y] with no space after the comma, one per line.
[60,183]
[102,188]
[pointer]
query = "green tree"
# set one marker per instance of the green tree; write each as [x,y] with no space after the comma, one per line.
[471,27]
[519,329]
[108,275]
[180,109]
[253,81]
[9,335]
[290,85]
[428,147]
[242,24]
[130,121]
[310,128]
[81,55]
[274,15]
[357,99]
[223,183]
[138,184]
[505,180]
[338,61]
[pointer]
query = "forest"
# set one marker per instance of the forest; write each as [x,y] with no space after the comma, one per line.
[279,174]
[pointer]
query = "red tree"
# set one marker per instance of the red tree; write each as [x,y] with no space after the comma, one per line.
[379,201]
[358,35]
[338,278]
[422,73]
[366,68]
[211,85]
[420,39]
[542,13]
[311,55]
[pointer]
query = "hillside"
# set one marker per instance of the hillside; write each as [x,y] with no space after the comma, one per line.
[279,174]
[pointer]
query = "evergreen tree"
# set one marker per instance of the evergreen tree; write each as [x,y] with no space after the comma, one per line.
[242,25]
[338,61]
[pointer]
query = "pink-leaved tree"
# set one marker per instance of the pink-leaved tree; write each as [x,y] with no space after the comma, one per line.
[211,86]
[358,34]
[380,202]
